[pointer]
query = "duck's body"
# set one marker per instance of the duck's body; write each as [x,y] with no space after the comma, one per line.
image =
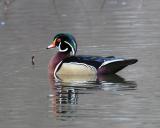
[66,64]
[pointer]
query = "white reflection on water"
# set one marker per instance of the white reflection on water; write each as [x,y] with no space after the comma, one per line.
[66,93]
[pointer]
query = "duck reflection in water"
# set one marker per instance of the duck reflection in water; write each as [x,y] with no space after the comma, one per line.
[66,92]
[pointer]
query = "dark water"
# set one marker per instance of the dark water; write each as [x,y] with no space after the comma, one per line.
[128,28]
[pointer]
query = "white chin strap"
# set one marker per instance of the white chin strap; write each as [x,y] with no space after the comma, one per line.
[59,47]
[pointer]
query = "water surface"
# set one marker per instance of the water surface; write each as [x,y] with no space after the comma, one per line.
[124,28]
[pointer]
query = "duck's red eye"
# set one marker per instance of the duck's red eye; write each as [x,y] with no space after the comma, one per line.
[58,40]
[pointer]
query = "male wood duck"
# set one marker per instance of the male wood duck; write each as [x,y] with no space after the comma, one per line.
[63,63]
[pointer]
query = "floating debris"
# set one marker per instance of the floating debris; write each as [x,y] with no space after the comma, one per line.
[33,63]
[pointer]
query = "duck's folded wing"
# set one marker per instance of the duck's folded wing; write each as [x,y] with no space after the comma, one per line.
[95,61]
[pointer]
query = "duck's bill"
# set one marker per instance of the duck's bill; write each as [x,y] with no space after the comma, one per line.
[52,45]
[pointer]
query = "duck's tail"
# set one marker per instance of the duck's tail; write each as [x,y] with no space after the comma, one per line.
[115,65]
[130,61]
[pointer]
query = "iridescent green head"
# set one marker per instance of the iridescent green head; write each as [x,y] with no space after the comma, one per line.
[64,42]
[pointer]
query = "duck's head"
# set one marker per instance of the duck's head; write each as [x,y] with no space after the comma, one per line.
[64,42]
